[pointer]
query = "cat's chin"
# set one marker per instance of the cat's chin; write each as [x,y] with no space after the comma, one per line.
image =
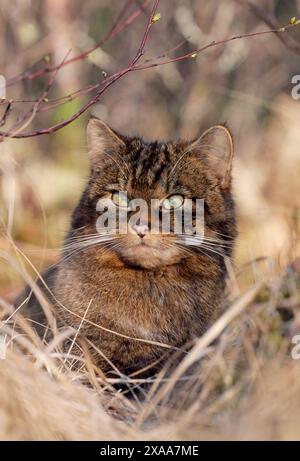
[147,257]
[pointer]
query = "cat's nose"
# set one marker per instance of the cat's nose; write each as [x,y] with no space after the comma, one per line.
[141,229]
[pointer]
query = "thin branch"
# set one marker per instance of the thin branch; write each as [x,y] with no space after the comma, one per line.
[7,111]
[141,49]
[133,66]
[101,88]
[30,114]
[269,19]
[194,54]
[118,27]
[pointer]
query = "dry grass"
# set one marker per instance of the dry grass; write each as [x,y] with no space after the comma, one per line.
[238,381]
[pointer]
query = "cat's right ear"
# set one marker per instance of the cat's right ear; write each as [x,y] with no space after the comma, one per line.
[216,148]
[102,141]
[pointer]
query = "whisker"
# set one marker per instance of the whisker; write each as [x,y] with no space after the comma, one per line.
[68,256]
[213,250]
[202,239]
[224,235]
[73,249]
[217,243]
[80,237]
[192,252]
[201,245]
[89,239]
[75,246]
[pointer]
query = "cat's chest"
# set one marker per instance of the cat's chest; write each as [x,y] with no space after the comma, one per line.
[144,291]
[137,295]
[159,307]
[149,310]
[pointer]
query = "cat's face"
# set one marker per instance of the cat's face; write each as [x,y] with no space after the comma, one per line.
[164,176]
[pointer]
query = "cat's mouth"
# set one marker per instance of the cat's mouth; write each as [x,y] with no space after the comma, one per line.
[150,255]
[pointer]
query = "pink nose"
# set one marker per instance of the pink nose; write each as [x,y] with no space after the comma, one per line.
[141,230]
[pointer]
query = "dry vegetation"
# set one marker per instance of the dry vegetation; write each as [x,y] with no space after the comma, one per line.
[239,381]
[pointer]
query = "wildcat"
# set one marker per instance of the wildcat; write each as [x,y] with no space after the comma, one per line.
[137,289]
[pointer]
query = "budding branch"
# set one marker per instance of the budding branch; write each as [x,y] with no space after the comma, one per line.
[42,104]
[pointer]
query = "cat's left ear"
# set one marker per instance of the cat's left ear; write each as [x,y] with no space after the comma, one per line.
[101,140]
[216,148]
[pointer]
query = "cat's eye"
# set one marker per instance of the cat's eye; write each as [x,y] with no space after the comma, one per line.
[172,202]
[120,199]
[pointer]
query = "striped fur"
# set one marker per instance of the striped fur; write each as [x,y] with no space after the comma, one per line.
[158,291]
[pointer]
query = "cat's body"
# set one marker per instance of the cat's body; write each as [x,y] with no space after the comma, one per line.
[138,289]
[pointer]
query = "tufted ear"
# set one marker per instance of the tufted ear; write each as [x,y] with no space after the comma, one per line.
[101,140]
[216,148]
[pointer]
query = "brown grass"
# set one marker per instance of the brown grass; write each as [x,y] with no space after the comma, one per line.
[238,381]
[242,382]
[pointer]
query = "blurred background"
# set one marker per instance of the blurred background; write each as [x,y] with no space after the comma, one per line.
[245,83]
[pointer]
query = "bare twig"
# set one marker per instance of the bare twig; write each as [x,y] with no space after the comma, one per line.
[30,114]
[194,54]
[102,86]
[269,19]
[6,114]
[118,27]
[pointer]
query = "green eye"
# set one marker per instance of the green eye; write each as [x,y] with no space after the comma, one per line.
[174,201]
[120,199]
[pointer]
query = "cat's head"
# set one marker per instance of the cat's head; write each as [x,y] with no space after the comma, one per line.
[165,176]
